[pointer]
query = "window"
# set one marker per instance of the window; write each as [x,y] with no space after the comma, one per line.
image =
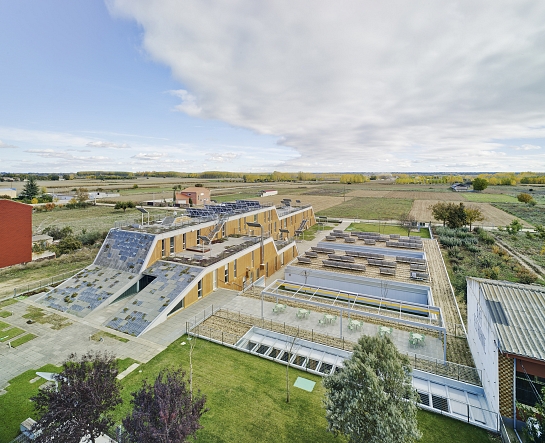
[235,269]
[239,224]
[183,241]
[198,236]
[253,259]
[199,289]
[526,393]
[162,248]
[223,230]
[172,239]
[226,278]
[255,218]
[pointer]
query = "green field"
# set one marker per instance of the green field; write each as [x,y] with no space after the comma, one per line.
[311,232]
[10,333]
[22,340]
[369,208]
[92,218]
[387,229]
[535,215]
[489,198]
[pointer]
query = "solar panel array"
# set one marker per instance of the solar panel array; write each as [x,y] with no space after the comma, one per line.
[139,311]
[84,292]
[125,250]
[227,208]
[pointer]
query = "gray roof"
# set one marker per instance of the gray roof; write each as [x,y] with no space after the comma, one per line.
[518,313]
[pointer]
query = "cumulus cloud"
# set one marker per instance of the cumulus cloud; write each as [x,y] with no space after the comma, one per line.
[361,83]
[7,146]
[222,158]
[110,145]
[150,156]
[50,153]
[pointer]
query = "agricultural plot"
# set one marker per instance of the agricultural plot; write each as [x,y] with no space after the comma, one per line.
[492,216]
[531,215]
[369,193]
[488,198]
[368,208]
[318,203]
[426,195]
[525,244]
[387,229]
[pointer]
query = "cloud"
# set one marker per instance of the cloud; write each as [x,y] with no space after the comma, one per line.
[6,146]
[50,153]
[109,145]
[150,156]
[525,147]
[368,84]
[222,158]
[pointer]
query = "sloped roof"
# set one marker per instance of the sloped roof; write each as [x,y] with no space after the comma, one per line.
[518,313]
[195,189]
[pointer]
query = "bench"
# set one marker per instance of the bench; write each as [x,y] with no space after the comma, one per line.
[304,260]
[311,254]
[417,267]
[420,276]
[387,271]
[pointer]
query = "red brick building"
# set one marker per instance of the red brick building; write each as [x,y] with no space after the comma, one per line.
[199,196]
[15,233]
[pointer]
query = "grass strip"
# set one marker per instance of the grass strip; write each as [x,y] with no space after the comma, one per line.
[22,340]
[4,325]
[5,314]
[10,333]
[9,301]
[40,316]
[102,334]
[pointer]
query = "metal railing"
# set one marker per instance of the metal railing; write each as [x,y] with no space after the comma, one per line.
[34,286]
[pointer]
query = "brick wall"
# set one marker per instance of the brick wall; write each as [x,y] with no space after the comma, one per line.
[505,373]
[15,233]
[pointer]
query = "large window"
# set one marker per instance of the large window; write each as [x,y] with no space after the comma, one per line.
[235,269]
[172,239]
[199,289]
[226,278]
[198,236]
[163,251]
[528,387]
[183,241]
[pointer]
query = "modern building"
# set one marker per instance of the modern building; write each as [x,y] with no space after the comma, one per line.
[15,233]
[459,187]
[268,193]
[194,196]
[154,270]
[506,334]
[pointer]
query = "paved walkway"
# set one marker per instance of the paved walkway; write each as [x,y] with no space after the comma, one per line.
[54,346]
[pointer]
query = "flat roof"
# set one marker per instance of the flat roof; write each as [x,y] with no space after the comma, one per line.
[518,313]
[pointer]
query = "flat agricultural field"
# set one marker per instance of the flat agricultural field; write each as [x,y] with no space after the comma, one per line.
[319,203]
[530,214]
[92,218]
[369,208]
[369,193]
[426,195]
[489,198]
[492,216]
[387,229]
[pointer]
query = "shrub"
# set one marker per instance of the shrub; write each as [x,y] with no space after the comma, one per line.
[486,238]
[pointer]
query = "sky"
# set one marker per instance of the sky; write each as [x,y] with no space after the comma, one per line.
[240,85]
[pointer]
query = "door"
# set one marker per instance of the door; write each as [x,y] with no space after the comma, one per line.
[215,280]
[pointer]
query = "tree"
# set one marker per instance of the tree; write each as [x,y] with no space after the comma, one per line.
[164,412]
[121,205]
[473,215]
[514,227]
[81,407]
[524,198]
[82,195]
[408,221]
[480,184]
[456,216]
[371,398]
[440,211]
[31,190]
[535,419]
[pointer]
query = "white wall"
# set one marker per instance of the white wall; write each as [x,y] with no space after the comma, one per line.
[482,338]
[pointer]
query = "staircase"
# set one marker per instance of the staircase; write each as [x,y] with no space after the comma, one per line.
[217,227]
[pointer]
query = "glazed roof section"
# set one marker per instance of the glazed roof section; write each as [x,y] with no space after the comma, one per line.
[518,313]
[125,250]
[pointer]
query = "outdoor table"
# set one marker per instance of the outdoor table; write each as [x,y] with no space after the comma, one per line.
[279,307]
[355,324]
[330,318]
[416,339]
[384,330]
[303,313]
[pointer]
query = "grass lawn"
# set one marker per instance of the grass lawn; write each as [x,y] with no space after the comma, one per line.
[22,340]
[8,334]
[369,208]
[4,325]
[9,301]
[311,232]
[39,316]
[489,198]
[387,229]
[101,334]
[31,273]
[5,314]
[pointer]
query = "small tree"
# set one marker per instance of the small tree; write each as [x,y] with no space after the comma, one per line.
[407,221]
[82,195]
[456,215]
[524,198]
[164,412]
[121,205]
[514,227]
[371,398]
[473,215]
[440,211]
[81,407]
[480,184]
[31,190]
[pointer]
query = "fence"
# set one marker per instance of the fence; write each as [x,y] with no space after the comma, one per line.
[439,367]
[34,286]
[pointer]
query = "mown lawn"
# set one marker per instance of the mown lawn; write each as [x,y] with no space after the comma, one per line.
[489,198]
[370,208]
[311,232]
[387,229]
[246,398]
